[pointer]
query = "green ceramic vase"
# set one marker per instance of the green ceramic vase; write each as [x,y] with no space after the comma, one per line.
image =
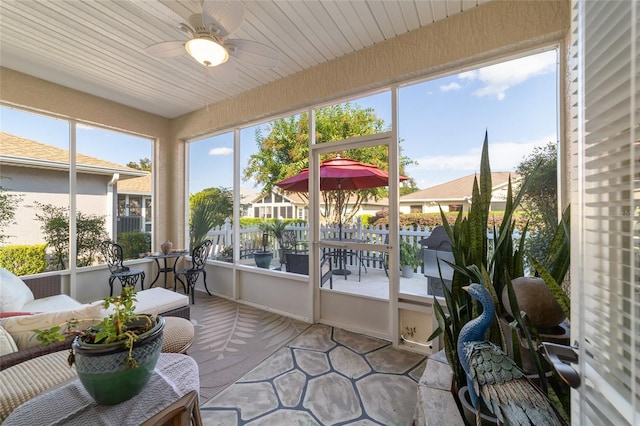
[263,258]
[105,375]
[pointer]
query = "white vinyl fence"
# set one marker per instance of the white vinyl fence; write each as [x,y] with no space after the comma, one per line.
[251,237]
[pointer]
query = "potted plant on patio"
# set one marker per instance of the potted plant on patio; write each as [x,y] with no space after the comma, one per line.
[277,228]
[116,355]
[492,262]
[409,258]
[264,257]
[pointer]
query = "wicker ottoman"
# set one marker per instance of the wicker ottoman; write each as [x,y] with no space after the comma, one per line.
[22,382]
[178,335]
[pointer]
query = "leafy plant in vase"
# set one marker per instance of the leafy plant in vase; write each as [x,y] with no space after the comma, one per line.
[263,258]
[493,263]
[116,355]
[409,258]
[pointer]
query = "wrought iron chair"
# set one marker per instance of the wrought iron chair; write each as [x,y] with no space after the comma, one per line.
[112,254]
[373,257]
[298,263]
[199,256]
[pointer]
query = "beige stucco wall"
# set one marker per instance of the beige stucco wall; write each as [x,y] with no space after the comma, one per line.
[491,31]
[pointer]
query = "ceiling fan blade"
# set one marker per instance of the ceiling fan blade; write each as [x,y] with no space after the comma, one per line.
[225,73]
[226,16]
[253,53]
[166,49]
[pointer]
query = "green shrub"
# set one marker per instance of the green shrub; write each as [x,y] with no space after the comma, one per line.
[24,259]
[430,220]
[134,243]
[257,221]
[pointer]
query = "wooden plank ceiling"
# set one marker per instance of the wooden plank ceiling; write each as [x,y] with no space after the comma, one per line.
[98,46]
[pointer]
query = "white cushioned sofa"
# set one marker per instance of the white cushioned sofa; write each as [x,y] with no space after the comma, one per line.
[26,367]
[21,312]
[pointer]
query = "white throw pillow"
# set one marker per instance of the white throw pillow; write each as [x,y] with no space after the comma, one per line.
[7,344]
[14,293]
[22,328]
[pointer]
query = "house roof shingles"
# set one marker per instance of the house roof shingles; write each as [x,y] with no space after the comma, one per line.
[456,189]
[18,150]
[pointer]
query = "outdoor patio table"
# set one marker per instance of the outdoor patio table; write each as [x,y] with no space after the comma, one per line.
[166,268]
[175,375]
[342,253]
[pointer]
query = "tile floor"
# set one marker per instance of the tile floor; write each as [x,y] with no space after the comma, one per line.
[325,376]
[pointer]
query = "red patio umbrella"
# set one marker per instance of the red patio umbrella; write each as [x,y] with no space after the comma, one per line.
[337,174]
[340,173]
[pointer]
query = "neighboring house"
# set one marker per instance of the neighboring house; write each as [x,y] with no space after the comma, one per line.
[134,204]
[40,173]
[455,195]
[291,205]
[281,206]
[247,196]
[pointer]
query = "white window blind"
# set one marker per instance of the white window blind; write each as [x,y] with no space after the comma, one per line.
[605,248]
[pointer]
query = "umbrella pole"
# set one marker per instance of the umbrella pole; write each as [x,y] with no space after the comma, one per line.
[342,253]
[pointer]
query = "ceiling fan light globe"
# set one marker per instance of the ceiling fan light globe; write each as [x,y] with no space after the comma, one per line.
[207,51]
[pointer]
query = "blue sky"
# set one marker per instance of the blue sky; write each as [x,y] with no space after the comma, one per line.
[442,125]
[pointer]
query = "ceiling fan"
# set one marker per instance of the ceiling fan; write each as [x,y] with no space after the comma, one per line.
[209,41]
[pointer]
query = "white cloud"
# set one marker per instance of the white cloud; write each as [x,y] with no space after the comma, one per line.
[498,78]
[468,75]
[451,86]
[503,156]
[221,151]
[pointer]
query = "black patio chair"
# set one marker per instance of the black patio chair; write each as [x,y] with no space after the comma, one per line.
[373,257]
[199,256]
[298,263]
[112,254]
[289,244]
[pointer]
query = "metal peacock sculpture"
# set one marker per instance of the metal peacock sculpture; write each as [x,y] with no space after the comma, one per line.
[491,374]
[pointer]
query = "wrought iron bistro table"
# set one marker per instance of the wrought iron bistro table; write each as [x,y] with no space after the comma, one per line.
[174,377]
[165,269]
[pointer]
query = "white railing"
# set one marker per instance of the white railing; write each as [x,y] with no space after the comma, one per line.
[251,237]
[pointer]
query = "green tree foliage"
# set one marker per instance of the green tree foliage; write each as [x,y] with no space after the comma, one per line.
[540,200]
[8,205]
[209,208]
[55,227]
[142,164]
[284,152]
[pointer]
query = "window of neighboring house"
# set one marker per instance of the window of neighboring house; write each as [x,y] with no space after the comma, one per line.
[135,206]
[455,207]
[416,208]
[147,209]
[122,205]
